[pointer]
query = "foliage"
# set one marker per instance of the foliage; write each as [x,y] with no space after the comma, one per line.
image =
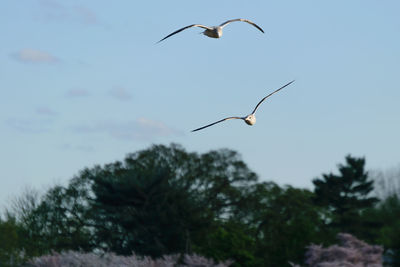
[286,221]
[230,240]
[388,213]
[345,195]
[47,223]
[157,201]
[166,201]
[11,253]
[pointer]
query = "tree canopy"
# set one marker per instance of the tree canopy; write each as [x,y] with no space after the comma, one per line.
[164,200]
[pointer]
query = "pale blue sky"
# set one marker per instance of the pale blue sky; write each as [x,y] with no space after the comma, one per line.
[83,83]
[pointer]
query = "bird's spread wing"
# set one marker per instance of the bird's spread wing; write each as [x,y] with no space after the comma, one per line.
[244,20]
[184,28]
[229,118]
[254,111]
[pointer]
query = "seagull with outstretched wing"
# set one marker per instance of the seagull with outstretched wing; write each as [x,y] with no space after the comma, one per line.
[249,119]
[213,31]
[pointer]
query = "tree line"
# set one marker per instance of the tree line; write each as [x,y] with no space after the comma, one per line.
[165,200]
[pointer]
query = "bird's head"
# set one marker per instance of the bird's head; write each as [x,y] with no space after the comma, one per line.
[250,119]
[219,31]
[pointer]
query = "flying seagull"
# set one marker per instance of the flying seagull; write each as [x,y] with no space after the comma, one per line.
[214,31]
[249,119]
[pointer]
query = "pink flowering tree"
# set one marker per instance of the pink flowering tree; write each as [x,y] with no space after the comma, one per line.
[72,258]
[351,252]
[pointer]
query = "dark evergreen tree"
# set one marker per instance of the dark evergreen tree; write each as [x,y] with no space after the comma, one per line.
[346,195]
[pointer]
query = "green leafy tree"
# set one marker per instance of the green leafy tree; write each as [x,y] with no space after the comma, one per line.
[387,213]
[290,221]
[11,253]
[164,200]
[230,240]
[23,211]
[346,195]
[56,221]
[157,201]
[282,222]
[58,227]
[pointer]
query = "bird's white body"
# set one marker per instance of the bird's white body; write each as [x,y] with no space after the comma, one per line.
[214,32]
[250,119]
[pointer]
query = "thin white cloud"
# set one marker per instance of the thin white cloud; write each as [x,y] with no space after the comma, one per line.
[155,126]
[45,111]
[52,10]
[140,129]
[29,55]
[120,93]
[25,125]
[84,14]
[77,93]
